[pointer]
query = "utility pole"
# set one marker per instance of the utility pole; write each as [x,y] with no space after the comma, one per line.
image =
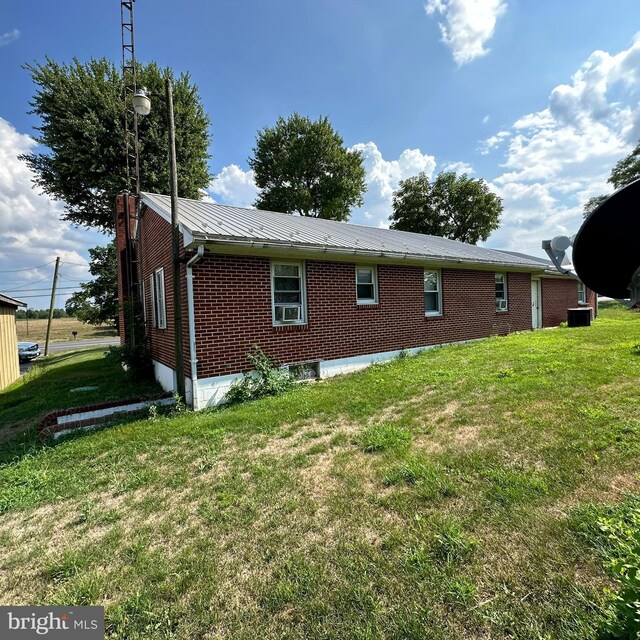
[175,236]
[53,300]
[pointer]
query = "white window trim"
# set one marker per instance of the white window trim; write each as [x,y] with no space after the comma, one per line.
[160,314]
[374,279]
[506,293]
[582,293]
[303,294]
[438,273]
[152,289]
[143,301]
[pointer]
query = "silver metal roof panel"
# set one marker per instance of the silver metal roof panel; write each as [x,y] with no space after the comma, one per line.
[212,222]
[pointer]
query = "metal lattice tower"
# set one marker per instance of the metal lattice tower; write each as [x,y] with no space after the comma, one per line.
[132,164]
[132,156]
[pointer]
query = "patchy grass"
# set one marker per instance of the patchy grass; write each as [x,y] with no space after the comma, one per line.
[433,497]
[61,330]
[48,385]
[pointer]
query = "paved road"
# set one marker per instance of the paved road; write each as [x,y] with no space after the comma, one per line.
[72,345]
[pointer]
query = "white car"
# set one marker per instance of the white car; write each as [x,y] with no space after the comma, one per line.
[28,351]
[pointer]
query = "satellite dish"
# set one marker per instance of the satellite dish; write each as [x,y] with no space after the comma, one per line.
[606,251]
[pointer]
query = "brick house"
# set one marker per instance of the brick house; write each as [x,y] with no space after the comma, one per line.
[320,296]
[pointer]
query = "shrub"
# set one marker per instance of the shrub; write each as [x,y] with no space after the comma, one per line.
[267,379]
[136,359]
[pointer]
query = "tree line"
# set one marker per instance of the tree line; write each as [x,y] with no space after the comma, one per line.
[40,314]
[301,166]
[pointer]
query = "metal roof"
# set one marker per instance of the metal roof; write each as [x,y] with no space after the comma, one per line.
[209,222]
[11,301]
[549,266]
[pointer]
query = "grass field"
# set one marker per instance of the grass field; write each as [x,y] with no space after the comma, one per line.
[49,385]
[61,330]
[454,494]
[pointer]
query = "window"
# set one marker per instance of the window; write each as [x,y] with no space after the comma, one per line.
[582,293]
[366,285]
[288,293]
[158,310]
[501,292]
[432,293]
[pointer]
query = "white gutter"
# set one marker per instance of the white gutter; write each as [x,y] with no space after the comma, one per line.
[192,327]
[369,253]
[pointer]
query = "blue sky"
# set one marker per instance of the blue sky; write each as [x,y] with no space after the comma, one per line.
[538,98]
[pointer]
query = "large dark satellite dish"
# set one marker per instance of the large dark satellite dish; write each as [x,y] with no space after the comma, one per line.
[606,250]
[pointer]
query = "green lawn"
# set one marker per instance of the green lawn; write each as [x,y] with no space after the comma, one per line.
[48,385]
[454,494]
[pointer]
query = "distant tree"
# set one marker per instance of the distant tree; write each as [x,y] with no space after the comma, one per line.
[301,166]
[59,313]
[451,206]
[21,314]
[592,204]
[82,128]
[97,302]
[625,171]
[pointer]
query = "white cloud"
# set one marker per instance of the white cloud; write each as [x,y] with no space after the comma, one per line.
[486,119]
[383,177]
[467,26]
[494,141]
[237,187]
[234,186]
[559,157]
[459,168]
[31,232]
[8,37]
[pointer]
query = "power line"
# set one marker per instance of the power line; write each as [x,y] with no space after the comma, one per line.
[30,268]
[25,284]
[34,290]
[61,275]
[42,295]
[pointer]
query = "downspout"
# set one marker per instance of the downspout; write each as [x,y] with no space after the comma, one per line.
[192,327]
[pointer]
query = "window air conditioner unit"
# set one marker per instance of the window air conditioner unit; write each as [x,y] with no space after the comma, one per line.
[291,314]
[502,305]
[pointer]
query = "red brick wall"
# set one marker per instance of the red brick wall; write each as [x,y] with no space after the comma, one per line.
[233,311]
[155,252]
[592,301]
[558,296]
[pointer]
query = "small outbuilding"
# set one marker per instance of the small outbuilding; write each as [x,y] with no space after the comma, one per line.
[9,365]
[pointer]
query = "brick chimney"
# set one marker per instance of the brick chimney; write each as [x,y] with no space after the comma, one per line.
[124,248]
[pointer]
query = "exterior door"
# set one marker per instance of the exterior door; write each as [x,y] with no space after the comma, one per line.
[536,305]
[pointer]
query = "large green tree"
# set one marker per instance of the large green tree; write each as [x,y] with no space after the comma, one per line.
[82,114]
[97,300]
[301,166]
[626,170]
[452,206]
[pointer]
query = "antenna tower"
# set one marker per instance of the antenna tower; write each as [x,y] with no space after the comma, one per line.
[129,88]
[132,164]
